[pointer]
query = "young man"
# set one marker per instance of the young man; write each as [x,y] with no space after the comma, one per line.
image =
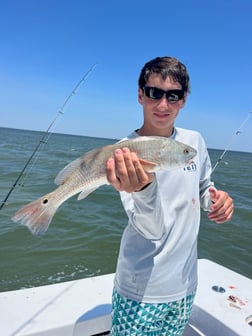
[156,276]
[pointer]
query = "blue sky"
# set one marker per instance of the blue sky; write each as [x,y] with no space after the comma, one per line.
[47,46]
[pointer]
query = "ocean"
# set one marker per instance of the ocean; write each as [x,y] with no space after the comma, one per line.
[84,237]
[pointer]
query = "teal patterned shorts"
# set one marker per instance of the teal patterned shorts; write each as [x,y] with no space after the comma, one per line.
[133,318]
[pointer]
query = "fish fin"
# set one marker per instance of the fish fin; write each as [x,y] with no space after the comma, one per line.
[61,177]
[88,189]
[147,165]
[84,162]
[36,215]
[85,193]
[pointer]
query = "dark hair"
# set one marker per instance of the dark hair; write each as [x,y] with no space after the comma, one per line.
[166,67]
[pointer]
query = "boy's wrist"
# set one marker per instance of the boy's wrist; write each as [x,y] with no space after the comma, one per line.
[144,187]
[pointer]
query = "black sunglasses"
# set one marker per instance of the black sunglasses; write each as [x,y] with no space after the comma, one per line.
[156,93]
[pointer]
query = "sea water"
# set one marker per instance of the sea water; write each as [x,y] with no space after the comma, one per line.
[84,237]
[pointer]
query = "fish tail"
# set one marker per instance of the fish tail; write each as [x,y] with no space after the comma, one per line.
[36,215]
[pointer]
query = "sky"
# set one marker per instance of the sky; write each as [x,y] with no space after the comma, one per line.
[47,46]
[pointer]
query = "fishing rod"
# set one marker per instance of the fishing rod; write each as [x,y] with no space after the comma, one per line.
[231,141]
[47,133]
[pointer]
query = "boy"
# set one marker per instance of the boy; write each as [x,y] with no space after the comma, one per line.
[156,276]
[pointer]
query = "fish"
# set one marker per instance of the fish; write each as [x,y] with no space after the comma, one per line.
[88,172]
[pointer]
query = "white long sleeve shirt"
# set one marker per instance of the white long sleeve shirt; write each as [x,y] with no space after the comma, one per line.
[157,262]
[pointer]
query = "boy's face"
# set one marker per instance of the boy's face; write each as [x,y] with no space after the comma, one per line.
[160,114]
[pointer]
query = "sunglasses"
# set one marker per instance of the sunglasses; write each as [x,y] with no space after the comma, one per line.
[171,95]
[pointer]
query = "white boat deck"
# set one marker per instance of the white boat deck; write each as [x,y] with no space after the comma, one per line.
[221,313]
[82,307]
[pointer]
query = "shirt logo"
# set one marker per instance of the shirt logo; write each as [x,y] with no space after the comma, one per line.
[191,168]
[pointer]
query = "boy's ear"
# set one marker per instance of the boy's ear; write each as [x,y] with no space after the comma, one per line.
[140,95]
[183,101]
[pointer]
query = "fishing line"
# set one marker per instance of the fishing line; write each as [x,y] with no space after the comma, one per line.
[48,132]
[231,141]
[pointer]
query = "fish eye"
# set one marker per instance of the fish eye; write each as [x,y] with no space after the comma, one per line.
[186,151]
[45,201]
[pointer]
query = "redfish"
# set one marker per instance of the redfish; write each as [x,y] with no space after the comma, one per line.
[88,173]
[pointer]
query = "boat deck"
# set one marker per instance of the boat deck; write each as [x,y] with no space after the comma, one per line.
[223,306]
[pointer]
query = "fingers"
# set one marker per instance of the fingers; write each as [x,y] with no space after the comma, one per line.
[141,178]
[223,207]
[124,167]
[111,175]
[125,172]
[221,216]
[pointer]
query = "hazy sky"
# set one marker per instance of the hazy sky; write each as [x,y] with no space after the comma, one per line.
[47,46]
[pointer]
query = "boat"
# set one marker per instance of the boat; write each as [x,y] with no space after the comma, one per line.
[222,307]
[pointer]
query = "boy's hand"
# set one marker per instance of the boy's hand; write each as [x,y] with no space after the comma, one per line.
[125,172]
[222,209]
